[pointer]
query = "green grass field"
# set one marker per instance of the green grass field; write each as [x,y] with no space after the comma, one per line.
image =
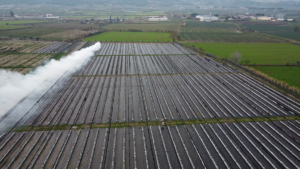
[145,27]
[289,74]
[12,24]
[222,35]
[130,36]
[256,53]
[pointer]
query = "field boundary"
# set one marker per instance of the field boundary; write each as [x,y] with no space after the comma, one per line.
[153,123]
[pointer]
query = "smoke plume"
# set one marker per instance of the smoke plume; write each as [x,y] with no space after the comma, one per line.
[15,86]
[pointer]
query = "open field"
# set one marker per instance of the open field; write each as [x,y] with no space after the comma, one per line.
[205,145]
[256,53]
[68,25]
[23,56]
[108,114]
[22,63]
[222,35]
[210,25]
[21,46]
[12,24]
[285,31]
[288,74]
[144,27]
[169,80]
[47,33]
[130,36]
[31,32]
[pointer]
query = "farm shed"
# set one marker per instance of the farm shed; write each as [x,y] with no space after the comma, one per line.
[265,18]
[158,19]
[207,18]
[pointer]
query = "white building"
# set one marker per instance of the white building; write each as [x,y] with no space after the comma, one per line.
[207,18]
[158,19]
[266,18]
[50,16]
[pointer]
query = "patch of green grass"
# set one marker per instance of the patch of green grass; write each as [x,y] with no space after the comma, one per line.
[288,74]
[256,53]
[130,36]
[12,24]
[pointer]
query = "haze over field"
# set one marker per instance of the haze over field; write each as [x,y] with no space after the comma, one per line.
[15,86]
[157,2]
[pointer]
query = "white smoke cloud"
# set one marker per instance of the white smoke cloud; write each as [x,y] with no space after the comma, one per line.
[15,86]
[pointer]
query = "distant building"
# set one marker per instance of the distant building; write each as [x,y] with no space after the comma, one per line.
[207,18]
[193,15]
[30,16]
[50,16]
[265,18]
[158,19]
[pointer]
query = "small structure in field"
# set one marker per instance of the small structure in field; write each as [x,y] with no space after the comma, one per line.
[157,19]
[207,18]
[265,18]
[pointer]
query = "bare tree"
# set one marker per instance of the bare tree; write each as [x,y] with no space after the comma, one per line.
[173,35]
[202,51]
[236,57]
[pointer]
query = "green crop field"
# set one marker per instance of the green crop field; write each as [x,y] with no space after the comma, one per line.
[220,25]
[13,24]
[288,74]
[256,53]
[145,27]
[130,36]
[222,35]
[286,31]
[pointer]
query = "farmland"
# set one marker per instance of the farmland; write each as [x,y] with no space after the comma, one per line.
[109,114]
[210,25]
[68,25]
[47,33]
[130,36]
[144,27]
[30,32]
[13,24]
[284,31]
[222,35]
[23,56]
[288,74]
[256,53]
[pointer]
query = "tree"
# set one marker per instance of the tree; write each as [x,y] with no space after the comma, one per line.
[12,14]
[296,28]
[236,57]
[173,35]
[202,51]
